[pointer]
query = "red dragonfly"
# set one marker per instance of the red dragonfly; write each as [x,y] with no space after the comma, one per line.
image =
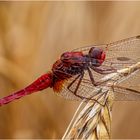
[75,74]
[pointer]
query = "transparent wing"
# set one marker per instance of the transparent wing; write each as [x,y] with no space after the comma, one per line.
[88,90]
[119,54]
[126,94]
[129,88]
[85,90]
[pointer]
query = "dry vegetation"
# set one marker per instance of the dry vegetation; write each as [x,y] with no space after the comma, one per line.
[32,36]
[94,121]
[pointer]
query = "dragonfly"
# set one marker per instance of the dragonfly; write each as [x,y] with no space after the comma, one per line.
[76,73]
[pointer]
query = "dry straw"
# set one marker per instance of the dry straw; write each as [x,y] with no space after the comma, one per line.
[93,119]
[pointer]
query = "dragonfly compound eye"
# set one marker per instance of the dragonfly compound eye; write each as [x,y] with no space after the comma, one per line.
[97,53]
[97,56]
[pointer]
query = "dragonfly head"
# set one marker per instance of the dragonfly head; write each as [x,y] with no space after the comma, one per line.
[97,56]
[71,57]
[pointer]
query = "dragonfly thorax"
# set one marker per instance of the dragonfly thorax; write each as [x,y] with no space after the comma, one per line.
[73,63]
[72,58]
[64,70]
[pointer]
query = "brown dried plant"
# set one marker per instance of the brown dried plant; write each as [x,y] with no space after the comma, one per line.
[94,121]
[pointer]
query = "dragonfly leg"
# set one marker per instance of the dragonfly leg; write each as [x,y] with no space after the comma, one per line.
[79,82]
[82,97]
[101,71]
[73,82]
[104,71]
[90,98]
[91,77]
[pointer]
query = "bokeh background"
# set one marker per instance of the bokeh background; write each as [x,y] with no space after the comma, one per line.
[32,37]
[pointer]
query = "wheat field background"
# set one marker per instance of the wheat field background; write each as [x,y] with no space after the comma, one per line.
[32,37]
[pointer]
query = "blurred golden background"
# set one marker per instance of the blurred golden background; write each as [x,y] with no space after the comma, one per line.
[32,37]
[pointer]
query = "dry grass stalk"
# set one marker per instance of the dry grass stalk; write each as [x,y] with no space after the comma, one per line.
[94,121]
